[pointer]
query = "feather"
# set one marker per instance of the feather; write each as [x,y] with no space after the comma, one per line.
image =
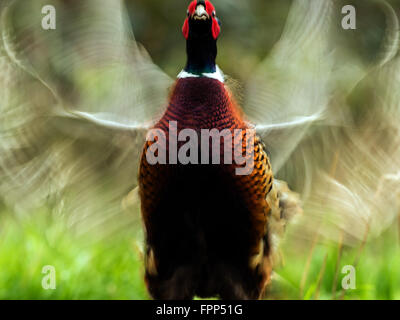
[289,90]
[344,164]
[67,141]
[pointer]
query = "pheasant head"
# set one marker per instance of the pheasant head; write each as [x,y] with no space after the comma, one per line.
[201,30]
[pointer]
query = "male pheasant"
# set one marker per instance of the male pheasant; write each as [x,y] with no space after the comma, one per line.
[206,227]
[73,119]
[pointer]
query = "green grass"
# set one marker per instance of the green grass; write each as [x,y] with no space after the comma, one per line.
[109,269]
[377,270]
[112,268]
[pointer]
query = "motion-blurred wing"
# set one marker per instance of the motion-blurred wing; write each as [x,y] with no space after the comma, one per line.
[75,105]
[289,90]
[342,162]
[354,170]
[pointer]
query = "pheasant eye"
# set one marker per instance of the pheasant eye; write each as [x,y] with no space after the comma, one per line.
[188,13]
[213,13]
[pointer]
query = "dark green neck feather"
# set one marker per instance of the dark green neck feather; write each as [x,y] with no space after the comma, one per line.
[201,53]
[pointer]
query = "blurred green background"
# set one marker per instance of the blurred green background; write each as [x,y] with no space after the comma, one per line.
[113,268]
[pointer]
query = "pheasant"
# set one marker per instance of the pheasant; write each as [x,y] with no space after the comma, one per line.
[73,123]
[206,227]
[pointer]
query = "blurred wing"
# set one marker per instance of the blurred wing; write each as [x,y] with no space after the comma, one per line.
[343,162]
[76,102]
[91,61]
[289,90]
[347,165]
[355,170]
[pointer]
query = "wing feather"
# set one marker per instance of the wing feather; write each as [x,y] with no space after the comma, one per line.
[339,154]
[76,102]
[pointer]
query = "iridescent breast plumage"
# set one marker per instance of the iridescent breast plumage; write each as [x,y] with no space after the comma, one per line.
[203,221]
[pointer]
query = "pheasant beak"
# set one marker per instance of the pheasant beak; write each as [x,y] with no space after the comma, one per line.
[200,13]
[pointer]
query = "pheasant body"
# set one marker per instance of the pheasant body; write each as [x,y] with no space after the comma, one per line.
[206,227]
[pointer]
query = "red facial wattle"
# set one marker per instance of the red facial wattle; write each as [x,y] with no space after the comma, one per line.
[216,29]
[185,29]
